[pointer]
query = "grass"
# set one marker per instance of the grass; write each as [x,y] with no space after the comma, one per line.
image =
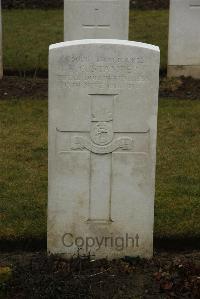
[23,162]
[178,172]
[26,47]
[23,139]
[151,27]
[35,31]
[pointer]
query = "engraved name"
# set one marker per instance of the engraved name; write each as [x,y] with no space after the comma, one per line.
[78,59]
[101,72]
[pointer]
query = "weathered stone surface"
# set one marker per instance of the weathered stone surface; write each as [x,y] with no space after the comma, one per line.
[184,38]
[103,100]
[96,19]
[184,70]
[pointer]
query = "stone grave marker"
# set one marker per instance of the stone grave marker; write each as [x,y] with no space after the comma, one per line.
[184,38]
[96,19]
[103,101]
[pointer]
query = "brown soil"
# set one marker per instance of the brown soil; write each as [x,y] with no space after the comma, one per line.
[38,276]
[140,4]
[184,88]
[150,4]
[18,88]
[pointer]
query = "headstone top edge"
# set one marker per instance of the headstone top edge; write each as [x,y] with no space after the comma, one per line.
[104,41]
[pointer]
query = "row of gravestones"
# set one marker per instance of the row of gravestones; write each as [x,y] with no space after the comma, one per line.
[109,19]
[103,103]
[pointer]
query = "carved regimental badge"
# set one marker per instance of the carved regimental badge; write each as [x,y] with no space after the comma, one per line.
[101,133]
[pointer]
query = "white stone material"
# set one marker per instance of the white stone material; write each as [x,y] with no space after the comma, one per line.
[1,47]
[103,101]
[184,38]
[96,19]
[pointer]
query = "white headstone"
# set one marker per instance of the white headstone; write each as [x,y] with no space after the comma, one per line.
[96,19]
[103,101]
[184,38]
[1,47]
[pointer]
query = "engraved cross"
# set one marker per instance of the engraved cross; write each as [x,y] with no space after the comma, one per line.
[98,21]
[194,4]
[101,143]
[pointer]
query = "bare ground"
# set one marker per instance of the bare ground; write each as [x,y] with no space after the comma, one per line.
[12,87]
[167,275]
[141,4]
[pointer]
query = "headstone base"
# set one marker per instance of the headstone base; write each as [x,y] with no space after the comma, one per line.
[184,70]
